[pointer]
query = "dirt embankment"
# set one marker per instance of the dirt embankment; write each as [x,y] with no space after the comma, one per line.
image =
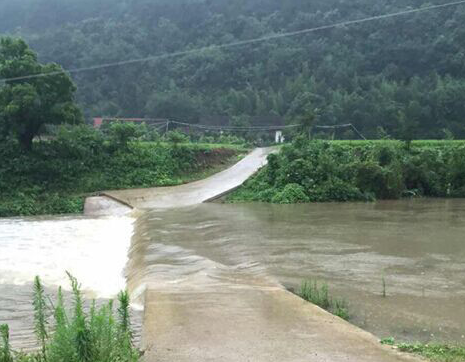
[213,158]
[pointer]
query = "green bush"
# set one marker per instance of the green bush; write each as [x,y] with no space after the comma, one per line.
[319,171]
[291,194]
[121,133]
[176,137]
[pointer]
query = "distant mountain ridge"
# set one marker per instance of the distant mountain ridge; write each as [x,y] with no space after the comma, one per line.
[398,76]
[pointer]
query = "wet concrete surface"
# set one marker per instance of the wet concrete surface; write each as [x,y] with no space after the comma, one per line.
[236,323]
[214,277]
[416,246]
[105,206]
[195,192]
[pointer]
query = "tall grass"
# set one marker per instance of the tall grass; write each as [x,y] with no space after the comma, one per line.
[76,335]
[5,351]
[319,295]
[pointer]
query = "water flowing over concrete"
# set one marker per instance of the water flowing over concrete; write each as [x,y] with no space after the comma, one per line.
[208,309]
[93,249]
[210,276]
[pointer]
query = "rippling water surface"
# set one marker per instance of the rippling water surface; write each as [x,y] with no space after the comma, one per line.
[94,250]
[417,246]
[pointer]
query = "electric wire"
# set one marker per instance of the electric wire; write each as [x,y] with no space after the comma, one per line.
[237,43]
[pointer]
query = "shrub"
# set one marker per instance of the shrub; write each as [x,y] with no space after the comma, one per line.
[359,170]
[120,134]
[176,137]
[336,190]
[291,194]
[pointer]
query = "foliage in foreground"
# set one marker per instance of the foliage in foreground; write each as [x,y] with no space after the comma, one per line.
[434,352]
[319,295]
[100,335]
[318,171]
[57,174]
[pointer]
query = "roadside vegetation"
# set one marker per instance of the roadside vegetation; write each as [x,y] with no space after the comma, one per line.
[57,174]
[319,295]
[433,352]
[53,175]
[76,334]
[319,171]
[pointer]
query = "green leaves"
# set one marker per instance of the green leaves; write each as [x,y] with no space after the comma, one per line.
[349,171]
[5,351]
[40,315]
[27,105]
[80,336]
[317,294]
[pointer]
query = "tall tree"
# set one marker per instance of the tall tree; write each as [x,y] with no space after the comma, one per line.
[27,104]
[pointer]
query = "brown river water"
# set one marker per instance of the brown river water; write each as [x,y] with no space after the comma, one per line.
[417,246]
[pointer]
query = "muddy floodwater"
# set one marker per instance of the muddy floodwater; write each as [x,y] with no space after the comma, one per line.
[94,250]
[417,246]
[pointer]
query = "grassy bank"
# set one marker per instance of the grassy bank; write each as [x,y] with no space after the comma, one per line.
[433,352]
[319,171]
[58,174]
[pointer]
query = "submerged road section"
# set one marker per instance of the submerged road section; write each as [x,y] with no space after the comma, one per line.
[203,307]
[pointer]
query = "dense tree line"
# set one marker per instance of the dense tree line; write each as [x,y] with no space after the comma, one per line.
[321,171]
[399,77]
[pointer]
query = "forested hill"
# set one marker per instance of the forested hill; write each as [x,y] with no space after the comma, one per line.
[404,74]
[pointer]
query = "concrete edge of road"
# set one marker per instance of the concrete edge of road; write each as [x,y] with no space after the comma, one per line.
[355,330]
[114,198]
[107,204]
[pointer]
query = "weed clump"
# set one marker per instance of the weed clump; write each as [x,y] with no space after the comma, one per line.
[99,335]
[434,352]
[319,295]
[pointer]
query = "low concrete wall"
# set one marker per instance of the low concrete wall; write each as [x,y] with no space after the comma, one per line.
[105,206]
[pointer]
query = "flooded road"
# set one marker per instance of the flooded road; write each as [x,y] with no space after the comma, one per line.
[417,246]
[212,272]
[94,250]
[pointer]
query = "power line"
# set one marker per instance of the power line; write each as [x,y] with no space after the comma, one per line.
[235,128]
[237,43]
[342,126]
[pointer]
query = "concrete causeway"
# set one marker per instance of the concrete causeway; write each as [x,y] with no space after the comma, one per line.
[236,318]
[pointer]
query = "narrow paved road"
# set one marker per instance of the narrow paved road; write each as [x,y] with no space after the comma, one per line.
[195,192]
[234,317]
[238,323]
